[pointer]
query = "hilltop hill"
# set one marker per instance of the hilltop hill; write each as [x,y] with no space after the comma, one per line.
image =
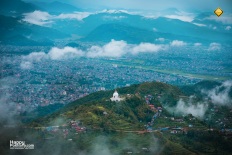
[118,122]
[135,108]
[94,124]
[126,114]
[96,109]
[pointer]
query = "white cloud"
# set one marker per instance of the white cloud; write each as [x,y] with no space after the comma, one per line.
[26,65]
[160,39]
[35,56]
[180,15]
[178,43]
[77,15]
[115,11]
[155,29]
[120,48]
[198,24]
[225,19]
[185,18]
[54,54]
[147,47]
[64,53]
[197,44]
[112,49]
[220,94]
[8,109]
[228,28]
[45,19]
[150,16]
[27,61]
[38,18]
[197,110]
[214,47]
[114,17]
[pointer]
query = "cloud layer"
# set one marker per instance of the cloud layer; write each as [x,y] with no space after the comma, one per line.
[38,18]
[178,43]
[225,19]
[8,109]
[220,95]
[113,49]
[77,15]
[45,19]
[65,53]
[197,110]
[185,18]
[42,18]
[228,28]
[214,47]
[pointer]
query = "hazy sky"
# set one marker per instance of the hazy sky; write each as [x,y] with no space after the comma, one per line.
[201,5]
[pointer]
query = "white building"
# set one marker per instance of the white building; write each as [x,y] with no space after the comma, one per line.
[116,97]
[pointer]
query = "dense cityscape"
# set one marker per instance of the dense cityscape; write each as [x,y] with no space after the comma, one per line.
[46,81]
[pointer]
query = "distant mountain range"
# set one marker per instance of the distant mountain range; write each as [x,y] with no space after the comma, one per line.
[16,7]
[131,34]
[104,25]
[15,32]
[56,7]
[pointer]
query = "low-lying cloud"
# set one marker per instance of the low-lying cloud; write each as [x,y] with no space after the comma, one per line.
[26,65]
[35,56]
[38,18]
[228,28]
[214,47]
[220,95]
[178,43]
[114,17]
[45,19]
[54,54]
[197,44]
[225,19]
[42,18]
[114,49]
[112,11]
[185,18]
[199,24]
[160,39]
[197,109]
[65,53]
[77,15]
[147,47]
[8,109]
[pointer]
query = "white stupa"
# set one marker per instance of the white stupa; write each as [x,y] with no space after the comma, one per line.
[116,97]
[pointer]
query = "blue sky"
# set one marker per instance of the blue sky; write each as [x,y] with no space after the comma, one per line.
[201,5]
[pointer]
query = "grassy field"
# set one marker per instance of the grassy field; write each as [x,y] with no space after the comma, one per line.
[176,72]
